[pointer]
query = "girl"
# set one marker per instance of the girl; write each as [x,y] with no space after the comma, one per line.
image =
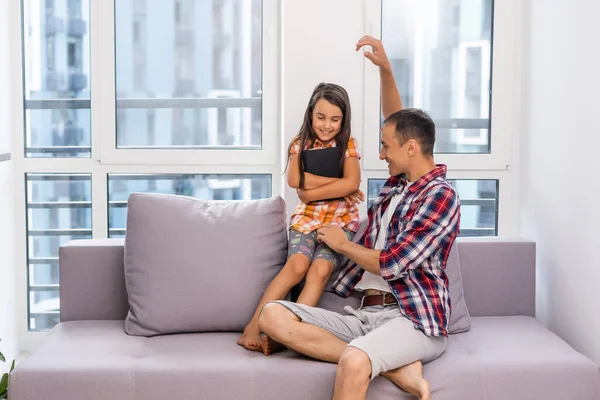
[326,124]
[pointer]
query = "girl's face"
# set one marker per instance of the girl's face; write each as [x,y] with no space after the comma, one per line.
[326,120]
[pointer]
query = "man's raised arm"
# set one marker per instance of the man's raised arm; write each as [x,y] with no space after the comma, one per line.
[390,96]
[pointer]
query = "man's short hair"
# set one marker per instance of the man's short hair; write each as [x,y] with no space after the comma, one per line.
[413,123]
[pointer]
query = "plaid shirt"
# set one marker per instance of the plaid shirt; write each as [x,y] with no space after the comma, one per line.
[419,239]
[309,217]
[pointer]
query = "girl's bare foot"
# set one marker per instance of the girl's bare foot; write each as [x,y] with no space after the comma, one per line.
[269,346]
[410,378]
[251,339]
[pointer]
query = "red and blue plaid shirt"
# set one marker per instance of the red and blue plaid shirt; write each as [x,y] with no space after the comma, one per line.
[419,239]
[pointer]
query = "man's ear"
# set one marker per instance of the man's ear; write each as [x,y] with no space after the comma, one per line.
[412,147]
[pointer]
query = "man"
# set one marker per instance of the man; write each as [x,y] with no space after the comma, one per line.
[398,265]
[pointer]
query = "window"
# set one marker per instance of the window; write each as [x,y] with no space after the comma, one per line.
[58,86]
[478,199]
[59,209]
[196,137]
[205,187]
[187,63]
[441,55]
[446,70]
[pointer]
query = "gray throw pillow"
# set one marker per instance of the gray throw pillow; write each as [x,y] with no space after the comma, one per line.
[197,266]
[460,320]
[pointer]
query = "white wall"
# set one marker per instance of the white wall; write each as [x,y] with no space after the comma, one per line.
[7,266]
[560,142]
[318,46]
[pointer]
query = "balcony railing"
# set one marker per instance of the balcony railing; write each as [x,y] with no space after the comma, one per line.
[205,102]
[71,150]
[151,103]
[44,288]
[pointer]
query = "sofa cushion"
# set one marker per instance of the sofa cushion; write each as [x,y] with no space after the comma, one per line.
[460,320]
[197,266]
[500,358]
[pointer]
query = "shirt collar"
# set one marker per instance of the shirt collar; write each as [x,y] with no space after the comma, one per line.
[438,172]
[319,144]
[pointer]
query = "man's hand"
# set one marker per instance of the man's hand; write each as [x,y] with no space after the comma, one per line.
[355,198]
[333,236]
[377,56]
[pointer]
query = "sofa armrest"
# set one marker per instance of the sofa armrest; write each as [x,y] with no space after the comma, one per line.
[498,275]
[92,280]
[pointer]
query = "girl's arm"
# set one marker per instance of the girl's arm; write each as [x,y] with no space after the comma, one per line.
[311,181]
[342,187]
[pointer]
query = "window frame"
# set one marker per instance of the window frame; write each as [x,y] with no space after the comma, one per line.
[104,98]
[105,159]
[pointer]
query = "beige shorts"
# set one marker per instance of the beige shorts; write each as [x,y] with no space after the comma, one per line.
[389,339]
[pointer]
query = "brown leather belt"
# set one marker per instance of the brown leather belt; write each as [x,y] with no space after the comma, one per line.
[383,299]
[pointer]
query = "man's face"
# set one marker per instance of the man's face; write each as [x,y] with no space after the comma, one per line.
[396,156]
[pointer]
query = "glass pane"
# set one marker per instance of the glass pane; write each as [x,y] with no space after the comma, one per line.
[205,187]
[478,200]
[56,62]
[59,209]
[440,52]
[188,73]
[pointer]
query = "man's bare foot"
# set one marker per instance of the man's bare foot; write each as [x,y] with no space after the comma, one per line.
[269,346]
[251,339]
[410,378]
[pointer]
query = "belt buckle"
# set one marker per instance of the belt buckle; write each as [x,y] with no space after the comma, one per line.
[383,303]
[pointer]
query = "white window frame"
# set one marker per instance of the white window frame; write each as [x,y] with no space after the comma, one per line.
[104,88]
[107,159]
[505,103]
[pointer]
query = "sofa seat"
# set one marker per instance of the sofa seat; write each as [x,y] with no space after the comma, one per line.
[509,357]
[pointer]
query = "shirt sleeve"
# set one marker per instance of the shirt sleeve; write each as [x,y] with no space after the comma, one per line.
[352,150]
[434,224]
[295,149]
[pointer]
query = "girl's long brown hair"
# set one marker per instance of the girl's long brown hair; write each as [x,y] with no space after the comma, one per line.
[336,95]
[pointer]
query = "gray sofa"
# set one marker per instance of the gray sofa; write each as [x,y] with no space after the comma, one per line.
[506,353]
